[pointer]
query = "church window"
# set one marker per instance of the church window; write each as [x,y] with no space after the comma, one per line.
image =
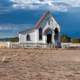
[28,37]
[40,33]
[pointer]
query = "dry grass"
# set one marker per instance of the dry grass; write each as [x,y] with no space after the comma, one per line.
[39,64]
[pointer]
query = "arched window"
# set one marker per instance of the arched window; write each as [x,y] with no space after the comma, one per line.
[28,37]
[40,33]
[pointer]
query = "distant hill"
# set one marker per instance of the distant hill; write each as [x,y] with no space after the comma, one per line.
[13,39]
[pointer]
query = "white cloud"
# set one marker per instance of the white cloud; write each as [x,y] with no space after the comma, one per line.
[8,27]
[57,5]
[73,3]
[53,5]
[14,27]
[26,3]
[39,4]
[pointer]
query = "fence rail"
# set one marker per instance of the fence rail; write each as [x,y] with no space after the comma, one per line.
[36,45]
[30,45]
[4,44]
[70,45]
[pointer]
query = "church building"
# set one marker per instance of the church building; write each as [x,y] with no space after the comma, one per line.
[45,31]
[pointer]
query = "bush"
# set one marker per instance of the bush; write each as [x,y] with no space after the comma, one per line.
[14,39]
[65,38]
[75,40]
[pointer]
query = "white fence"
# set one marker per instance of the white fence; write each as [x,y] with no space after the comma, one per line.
[4,44]
[29,45]
[35,45]
[70,45]
[23,45]
[39,45]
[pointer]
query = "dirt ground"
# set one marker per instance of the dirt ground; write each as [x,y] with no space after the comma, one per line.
[39,64]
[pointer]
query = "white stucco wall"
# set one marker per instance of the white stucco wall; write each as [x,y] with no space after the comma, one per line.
[34,35]
[37,37]
[54,24]
[22,37]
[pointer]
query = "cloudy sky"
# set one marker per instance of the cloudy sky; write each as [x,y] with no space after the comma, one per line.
[9,11]
[61,5]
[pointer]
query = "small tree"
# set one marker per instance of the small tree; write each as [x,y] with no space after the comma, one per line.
[65,38]
[74,40]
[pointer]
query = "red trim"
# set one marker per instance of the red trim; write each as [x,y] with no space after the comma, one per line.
[41,19]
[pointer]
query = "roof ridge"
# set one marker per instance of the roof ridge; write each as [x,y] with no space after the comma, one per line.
[41,19]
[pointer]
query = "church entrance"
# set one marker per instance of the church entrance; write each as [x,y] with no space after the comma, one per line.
[48,33]
[56,34]
[49,37]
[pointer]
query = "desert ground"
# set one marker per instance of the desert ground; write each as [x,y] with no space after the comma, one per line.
[39,64]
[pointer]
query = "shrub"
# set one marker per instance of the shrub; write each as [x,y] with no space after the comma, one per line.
[65,38]
[75,40]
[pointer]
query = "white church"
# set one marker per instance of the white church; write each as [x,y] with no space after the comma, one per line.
[46,31]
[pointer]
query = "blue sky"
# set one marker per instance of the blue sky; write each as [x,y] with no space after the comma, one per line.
[14,15]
